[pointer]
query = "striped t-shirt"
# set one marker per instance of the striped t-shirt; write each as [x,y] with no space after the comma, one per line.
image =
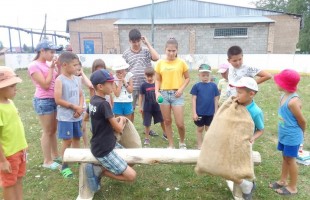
[137,64]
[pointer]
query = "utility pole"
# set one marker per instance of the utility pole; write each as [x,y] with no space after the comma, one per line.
[153,23]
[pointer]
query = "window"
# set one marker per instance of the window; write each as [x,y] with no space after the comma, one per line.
[230,32]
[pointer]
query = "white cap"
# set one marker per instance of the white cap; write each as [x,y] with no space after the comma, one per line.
[120,66]
[247,82]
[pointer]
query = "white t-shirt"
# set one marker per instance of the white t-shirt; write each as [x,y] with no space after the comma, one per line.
[235,74]
[124,96]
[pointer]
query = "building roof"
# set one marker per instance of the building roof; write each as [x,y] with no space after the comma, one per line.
[180,9]
[209,20]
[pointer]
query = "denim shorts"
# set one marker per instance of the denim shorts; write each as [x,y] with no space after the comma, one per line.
[45,106]
[170,99]
[288,151]
[113,162]
[69,130]
[122,108]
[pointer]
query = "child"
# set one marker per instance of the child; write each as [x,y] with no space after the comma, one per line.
[13,143]
[204,101]
[83,79]
[291,129]
[138,59]
[223,83]
[103,140]
[150,106]
[122,88]
[237,70]
[172,77]
[69,98]
[246,90]
[43,77]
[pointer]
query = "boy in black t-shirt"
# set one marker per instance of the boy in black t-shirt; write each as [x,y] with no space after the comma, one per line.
[103,141]
[150,106]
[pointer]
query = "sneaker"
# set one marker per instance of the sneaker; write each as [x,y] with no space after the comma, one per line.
[153,133]
[92,179]
[165,136]
[182,146]
[147,141]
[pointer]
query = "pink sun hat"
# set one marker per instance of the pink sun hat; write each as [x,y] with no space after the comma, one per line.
[223,68]
[287,79]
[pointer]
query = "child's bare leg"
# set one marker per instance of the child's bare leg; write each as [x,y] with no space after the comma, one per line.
[84,132]
[292,169]
[147,132]
[284,172]
[75,142]
[19,189]
[178,112]
[166,112]
[199,132]
[128,175]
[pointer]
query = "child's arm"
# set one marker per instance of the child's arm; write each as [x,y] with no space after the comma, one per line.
[5,165]
[256,135]
[111,100]
[195,116]
[157,84]
[216,104]
[117,88]
[259,126]
[118,126]
[79,112]
[129,85]
[61,102]
[263,76]
[86,80]
[140,102]
[179,92]
[44,82]
[295,107]
[153,52]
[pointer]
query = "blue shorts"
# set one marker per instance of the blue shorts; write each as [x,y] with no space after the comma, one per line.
[288,151]
[122,108]
[113,162]
[170,99]
[45,106]
[69,130]
[203,120]
[147,117]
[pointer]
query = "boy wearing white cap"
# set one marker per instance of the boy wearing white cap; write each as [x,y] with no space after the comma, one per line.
[12,138]
[246,90]
[122,88]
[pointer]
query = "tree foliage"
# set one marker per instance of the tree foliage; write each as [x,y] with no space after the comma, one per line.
[301,7]
[1,45]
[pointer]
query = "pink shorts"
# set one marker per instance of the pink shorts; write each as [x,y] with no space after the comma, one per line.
[18,166]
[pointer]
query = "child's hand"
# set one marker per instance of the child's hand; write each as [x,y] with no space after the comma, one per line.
[5,167]
[78,111]
[178,93]
[157,94]
[144,40]
[195,117]
[55,62]
[252,140]
[140,110]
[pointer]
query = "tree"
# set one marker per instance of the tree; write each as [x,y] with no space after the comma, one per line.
[26,49]
[301,7]
[1,45]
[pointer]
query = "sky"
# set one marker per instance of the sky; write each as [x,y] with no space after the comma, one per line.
[31,13]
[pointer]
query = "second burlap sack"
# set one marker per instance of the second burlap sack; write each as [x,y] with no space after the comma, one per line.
[226,150]
[130,137]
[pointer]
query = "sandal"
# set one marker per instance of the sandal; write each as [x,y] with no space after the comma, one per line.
[285,192]
[52,166]
[67,173]
[275,186]
[58,159]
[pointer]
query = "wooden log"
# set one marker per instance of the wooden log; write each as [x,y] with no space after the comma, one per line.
[84,191]
[144,156]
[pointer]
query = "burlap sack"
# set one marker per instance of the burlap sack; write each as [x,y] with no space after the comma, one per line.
[130,137]
[226,150]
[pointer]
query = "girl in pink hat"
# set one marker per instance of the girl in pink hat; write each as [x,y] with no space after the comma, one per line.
[291,129]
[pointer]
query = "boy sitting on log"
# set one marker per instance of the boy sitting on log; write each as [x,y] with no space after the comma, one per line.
[103,140]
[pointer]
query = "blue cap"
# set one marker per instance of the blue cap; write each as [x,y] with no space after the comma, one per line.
[101,76]
[45,44]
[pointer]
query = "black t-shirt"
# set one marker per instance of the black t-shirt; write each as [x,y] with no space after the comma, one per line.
[150,103]
[103,139]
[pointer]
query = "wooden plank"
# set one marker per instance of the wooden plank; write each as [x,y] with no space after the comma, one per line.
[84,191]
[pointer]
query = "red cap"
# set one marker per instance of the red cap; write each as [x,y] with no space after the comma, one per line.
[287,79]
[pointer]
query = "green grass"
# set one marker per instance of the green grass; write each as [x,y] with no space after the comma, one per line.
[152,181]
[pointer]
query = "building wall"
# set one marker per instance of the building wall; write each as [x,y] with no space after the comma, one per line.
[102,32]
[286,33]
[199,39]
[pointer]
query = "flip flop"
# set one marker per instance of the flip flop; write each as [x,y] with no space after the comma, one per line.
[67,173]
[249,196]
[275,186]
[285,192]
[52,166]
